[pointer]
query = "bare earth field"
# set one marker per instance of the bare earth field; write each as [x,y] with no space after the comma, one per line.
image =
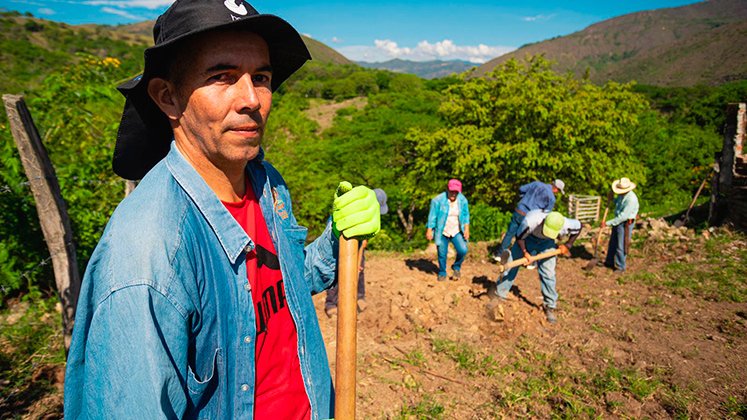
[667,339]
[625,345]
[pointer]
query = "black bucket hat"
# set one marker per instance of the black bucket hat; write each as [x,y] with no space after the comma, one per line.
[144,133]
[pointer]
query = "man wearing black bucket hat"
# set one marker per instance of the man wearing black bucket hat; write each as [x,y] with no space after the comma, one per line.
[197,299]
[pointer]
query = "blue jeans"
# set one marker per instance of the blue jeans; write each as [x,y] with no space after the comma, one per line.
[545,269]
[460,245]
[513,227]
[616,249]
[333,292]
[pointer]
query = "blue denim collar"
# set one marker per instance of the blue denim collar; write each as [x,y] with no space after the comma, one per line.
[231,236]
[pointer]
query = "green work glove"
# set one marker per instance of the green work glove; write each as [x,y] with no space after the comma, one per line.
[355,212]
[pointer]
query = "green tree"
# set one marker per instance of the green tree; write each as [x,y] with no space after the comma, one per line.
[526,122]
[676,158]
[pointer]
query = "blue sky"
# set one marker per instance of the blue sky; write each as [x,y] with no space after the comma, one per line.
[381,30]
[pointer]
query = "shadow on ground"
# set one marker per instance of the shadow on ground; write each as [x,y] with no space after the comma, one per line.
[422,264]
[483,286]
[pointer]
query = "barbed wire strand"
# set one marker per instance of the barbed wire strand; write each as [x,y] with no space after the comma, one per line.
[8,188]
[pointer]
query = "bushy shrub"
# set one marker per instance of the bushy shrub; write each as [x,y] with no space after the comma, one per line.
[487,223]
[76,112]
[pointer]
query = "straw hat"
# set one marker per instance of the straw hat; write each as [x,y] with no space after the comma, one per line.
[622,186]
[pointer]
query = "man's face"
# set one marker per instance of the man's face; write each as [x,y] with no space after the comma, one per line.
[224,96]
[452,195]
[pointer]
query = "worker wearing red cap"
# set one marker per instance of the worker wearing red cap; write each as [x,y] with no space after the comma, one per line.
[448,222]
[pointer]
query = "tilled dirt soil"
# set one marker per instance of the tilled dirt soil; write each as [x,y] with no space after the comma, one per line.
[624,346]
[692,349]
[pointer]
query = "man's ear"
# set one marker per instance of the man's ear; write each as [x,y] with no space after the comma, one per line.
[163,93]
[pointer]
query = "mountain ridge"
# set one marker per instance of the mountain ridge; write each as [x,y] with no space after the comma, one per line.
[318,50]
[426,69]
[32,48]
[681,46]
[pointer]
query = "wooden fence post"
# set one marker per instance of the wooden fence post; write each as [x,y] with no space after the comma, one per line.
[50,206]
[129,187]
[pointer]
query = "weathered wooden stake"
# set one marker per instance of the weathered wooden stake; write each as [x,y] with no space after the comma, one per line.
[50,206]
[129,187]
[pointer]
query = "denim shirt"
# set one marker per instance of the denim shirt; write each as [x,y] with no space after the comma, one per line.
[439,211]
[165,325]
[536,195]
[626,207]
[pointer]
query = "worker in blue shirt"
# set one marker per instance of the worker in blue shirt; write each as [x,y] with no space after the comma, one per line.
[448,221]
[535,195]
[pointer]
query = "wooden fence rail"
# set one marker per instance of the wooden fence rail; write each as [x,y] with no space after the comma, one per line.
[584,208]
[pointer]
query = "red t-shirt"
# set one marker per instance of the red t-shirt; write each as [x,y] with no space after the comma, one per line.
[279,392]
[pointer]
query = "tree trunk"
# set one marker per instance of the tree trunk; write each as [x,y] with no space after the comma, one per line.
[407,221]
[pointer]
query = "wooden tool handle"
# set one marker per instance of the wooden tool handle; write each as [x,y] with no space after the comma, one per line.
[695,198]
[522,261]
[599,234]
[347,315]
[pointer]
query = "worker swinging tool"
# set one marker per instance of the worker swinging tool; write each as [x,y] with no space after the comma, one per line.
[535,242]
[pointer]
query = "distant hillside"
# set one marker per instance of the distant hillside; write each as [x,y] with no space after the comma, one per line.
[703,43]
[323,53]
[318,50]
[425,69]
[32,48]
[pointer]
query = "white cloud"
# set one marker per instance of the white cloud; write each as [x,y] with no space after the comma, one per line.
[28,3]
[537,18]
[123,13]
[386,49]
[336,40]
[46,11]
[124,4]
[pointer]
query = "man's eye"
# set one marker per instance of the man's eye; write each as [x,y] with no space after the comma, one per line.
[221,77]
[261,79]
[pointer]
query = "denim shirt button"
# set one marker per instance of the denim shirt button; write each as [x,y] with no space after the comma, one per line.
[247,339]
[247,286]
[245,387]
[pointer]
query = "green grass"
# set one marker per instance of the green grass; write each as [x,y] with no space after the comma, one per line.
[654,301]
[465,357]
[632,309]
[735,408]
[598,329]
[545,385]
[676,401]
[424,409]
[720,275]
[29,346]
[415,358]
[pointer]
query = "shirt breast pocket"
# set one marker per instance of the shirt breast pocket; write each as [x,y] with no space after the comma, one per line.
[296,235]
[205,391]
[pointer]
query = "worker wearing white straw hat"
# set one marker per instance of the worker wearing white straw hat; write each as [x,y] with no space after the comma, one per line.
[626,210]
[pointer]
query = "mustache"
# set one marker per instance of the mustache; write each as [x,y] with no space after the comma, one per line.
[250,122]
